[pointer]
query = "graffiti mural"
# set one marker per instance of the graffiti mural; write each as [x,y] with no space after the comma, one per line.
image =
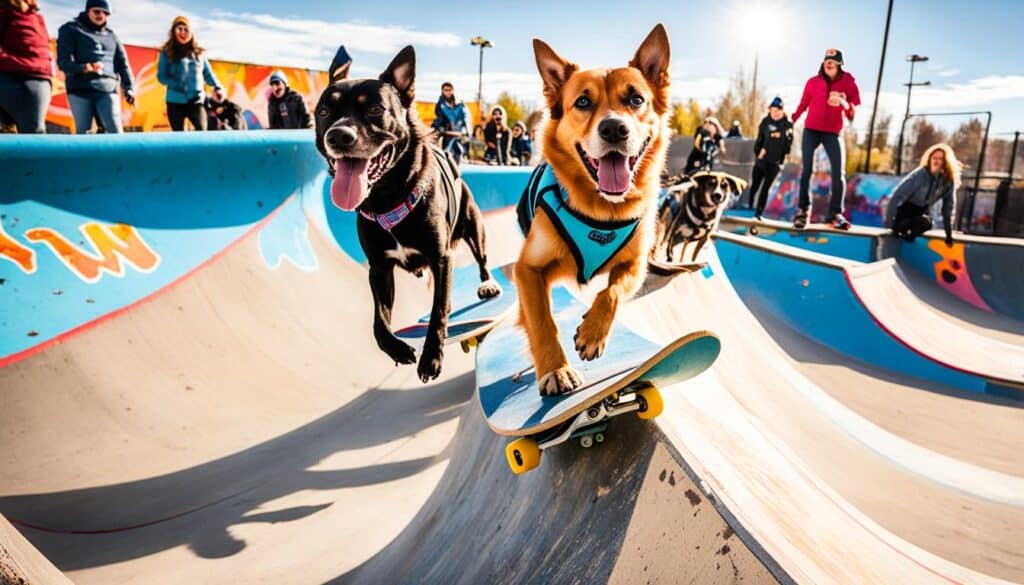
[866,195]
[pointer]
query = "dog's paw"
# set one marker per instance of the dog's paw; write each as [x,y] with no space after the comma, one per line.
[430,365]
[488,289]
[592,336]
[561,381]
[399,351]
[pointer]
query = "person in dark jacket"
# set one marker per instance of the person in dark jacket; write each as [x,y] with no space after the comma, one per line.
[773,143]
[498,138]
[707,144]
[26,66]
[222,113]
[183,68]
[736,131]
[829,97]
[521,149]
[287,108]
[910,209]
[94,63]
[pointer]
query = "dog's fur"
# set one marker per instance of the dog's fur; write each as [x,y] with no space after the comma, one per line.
[375,119]
[571,135]
[692,210]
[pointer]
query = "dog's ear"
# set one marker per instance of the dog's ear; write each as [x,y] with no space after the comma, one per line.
[340,72]
[554,71]
[401,73]
[340,65]
[652,59]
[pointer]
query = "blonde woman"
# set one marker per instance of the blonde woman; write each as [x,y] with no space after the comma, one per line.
[26,66]
[183,68]
[937,178]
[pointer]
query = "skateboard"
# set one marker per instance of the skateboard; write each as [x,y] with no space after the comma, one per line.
[471,317]
[627,378]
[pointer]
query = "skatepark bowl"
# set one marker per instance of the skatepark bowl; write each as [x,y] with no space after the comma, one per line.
[190,392]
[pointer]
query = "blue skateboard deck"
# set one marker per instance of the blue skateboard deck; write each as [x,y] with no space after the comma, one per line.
[471,316]
[508,389]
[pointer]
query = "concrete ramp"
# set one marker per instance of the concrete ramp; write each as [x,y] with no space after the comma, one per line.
[866,312]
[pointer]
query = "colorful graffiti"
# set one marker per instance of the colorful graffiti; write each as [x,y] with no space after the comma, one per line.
[112,243]
[246,84]
[866,195]
[951,272]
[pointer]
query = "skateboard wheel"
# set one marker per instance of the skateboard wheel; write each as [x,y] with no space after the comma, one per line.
[650,401]
[754,231]
[523,455]
[599,437]
[587,441]
[468,344]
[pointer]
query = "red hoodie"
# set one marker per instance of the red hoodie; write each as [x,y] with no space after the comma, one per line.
[25,44]
[821,116]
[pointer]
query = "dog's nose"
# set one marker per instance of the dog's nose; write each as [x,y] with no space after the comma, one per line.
[341,137]
[613,130]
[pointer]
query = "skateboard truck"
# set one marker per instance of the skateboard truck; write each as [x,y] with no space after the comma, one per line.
[523,454]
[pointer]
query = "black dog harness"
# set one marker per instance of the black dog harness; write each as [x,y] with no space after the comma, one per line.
[448,184]
[592,243]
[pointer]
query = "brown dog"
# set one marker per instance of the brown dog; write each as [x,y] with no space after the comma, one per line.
[605,142]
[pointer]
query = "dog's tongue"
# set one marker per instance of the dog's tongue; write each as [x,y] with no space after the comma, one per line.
[350,182]
[613,174]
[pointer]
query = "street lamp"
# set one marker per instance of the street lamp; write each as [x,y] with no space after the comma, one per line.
[913,59]
[483,44]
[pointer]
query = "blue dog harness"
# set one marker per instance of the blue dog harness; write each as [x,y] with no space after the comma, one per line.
[592,243]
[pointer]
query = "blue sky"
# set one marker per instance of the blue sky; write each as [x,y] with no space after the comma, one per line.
[974,46]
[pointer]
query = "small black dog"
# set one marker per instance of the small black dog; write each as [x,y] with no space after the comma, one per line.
[413,206]
[692,209]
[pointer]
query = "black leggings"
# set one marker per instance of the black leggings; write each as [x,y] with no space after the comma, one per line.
[911,221]
[833,146]
[761,180]
[176,114]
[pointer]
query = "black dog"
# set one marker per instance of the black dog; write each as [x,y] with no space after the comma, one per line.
[691,210]
[413,206]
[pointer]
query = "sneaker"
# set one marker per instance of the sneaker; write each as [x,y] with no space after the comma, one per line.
[800,221]
[758,218]
[840,223]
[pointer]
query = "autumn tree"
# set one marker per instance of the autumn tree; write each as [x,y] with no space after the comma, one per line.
[685,118]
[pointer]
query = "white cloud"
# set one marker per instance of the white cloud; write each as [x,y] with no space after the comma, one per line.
[949,73]
[254,38]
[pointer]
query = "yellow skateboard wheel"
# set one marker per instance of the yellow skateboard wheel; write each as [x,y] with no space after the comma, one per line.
[651,403]
[523,455]
[468,344]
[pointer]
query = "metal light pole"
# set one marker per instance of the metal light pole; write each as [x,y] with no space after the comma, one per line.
[914,59]
[878,89]
[483,44]
[1013,155]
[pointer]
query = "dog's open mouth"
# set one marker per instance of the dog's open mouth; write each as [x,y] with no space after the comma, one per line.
[614,171]
[353,177]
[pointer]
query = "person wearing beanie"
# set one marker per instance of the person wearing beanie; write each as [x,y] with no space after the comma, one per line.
[773,143]
[521,150]
[286,108]
[828,98]
[26,66]
[95,65]
[451,121]
[183,67]
[736,131]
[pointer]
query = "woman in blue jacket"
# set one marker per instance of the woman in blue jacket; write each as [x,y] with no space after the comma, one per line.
[183,68]
[94,63]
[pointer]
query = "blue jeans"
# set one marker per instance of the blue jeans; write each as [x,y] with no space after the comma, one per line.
[837,160]
[23,102]
[105,106]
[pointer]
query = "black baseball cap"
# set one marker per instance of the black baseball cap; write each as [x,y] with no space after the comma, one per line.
[835,55]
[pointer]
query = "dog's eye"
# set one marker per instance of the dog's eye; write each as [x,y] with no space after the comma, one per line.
[322,112]
[375,110]
[583,103]
[636,100]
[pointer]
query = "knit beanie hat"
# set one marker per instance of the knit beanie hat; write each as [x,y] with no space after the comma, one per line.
[98,4]
[776,103]
[278,75]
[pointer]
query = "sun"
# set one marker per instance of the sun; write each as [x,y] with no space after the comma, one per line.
[761,24]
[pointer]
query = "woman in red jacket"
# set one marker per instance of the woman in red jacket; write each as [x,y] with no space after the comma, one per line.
[829,97]
[26,66]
